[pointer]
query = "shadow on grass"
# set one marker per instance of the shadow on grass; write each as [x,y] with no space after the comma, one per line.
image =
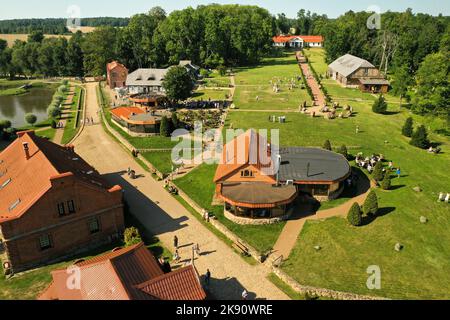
[381,213]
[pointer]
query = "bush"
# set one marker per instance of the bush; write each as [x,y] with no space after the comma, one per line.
[131,237]
[378,173]
[408,129]
[5,124]
[354,216]
[343,150]
[63,89]
[386,183]
[165,127]
[175,121]
[204,73]
[30,118]
[380,106]
[419,138]
[53,124]
[327,145]
[222,70]
[370,206]
[53,111]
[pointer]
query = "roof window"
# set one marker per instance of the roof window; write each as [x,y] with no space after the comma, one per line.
[4,184]
[14,205]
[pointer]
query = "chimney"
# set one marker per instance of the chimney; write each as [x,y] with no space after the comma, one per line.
[26,149]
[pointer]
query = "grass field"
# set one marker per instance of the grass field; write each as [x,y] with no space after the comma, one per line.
[71,128]
[211,93]
[216,80]
[255,82]
[420,270]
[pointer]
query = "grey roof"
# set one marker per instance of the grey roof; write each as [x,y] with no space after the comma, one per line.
[188,64]
[347,64]
[312,165]
[146,77]
[374,81]
[258,193]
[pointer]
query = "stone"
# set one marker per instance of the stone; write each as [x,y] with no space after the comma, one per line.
[398,247]
[317,248]
[423,219]
[417,189]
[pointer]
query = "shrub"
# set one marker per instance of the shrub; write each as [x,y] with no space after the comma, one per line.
[386,183]
[327,145]
[378,173]
[63,89]
[165,127]
[419,138]
[343,150]
[380,105]
[53,111]
[30,118]
[408,129]
[131,237]
[222,70]
[370,206]
[204,73]
[53,124]
[5,124]
[354,216]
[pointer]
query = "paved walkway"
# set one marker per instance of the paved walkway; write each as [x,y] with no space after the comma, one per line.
[288,237]
[165,217]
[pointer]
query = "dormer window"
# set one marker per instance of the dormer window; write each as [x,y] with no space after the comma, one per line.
[246,174]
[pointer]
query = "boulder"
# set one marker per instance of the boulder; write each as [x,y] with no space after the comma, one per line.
[417,189]
[398,247]
[423,219]
[317,248]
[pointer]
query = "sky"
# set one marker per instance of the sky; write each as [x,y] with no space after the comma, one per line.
[118,8]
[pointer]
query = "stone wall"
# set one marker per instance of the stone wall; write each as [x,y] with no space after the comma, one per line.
[321,292]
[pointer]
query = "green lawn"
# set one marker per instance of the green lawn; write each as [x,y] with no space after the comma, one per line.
[199,185]
[47,133]
[216,80]
[211,93]
[255,82]
[317,57]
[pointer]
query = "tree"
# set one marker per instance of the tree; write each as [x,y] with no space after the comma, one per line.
[408,129]
[4,126]
[386,183]
[53,111]
[380,105]
[36,36]
[419,138]
[175,121]
[402,80]
[178,84]
[378,173]
[99,48]
[75,55]
[30,118]
[165,127]
[131,237]
[343,150]
[327,145]
[354,216]
[370,206]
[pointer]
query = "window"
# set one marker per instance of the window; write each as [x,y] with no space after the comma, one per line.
[246,174]
[94,226]
[61,209]
[44,242]
[71,206]
[366,72]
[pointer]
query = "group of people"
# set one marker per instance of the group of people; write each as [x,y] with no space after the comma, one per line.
[60,124]
[368,163]
[89,121]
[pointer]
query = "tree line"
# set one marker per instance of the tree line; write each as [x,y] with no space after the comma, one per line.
[56,25]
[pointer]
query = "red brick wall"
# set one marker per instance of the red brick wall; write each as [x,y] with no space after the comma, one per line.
[117,75]
[68,233]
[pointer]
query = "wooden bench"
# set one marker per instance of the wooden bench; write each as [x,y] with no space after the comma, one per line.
[241,248]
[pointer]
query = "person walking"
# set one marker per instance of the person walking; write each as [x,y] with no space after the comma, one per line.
[176,256]
[399,172]
[357,129]
[244,295]
[175,242]
[207,277]
[197,249]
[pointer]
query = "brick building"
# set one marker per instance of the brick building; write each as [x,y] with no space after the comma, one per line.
[53,204]
[116,75]
[125,274]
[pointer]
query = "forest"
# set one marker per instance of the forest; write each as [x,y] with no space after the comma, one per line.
[411,49]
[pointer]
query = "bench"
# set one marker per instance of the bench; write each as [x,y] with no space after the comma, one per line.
[241,248]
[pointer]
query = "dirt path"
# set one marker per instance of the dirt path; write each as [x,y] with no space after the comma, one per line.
[165,217]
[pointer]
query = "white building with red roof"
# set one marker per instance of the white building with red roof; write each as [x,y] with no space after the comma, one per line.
[298,41]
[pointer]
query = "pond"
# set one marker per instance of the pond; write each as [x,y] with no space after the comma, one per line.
[36,101]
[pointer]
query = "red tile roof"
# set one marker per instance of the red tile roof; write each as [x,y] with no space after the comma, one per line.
[126,274]
[24,180]
[126,112]
[110,66]
[307,39]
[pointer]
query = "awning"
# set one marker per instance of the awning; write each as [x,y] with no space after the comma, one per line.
[374,82]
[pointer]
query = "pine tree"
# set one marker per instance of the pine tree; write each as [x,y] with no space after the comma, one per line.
[370,206]
[408,129]
[354,216]
[165,127]
[380,106]
[386,183]
[327,145]
[343,150]
[419,138]
[378,173]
